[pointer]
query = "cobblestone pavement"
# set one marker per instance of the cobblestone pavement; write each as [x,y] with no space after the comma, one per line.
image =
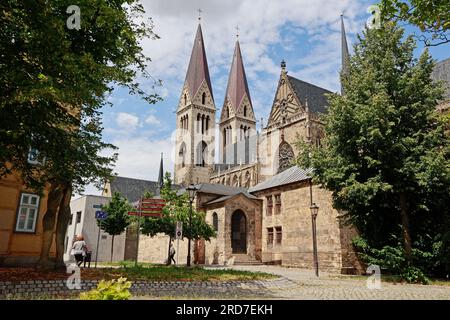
[300,284]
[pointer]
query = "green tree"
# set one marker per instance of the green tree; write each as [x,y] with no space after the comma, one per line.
[431,16]
[385,153]
[118,219]
[54,81]
[177,209]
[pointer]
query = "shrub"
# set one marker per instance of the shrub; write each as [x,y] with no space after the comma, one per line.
[393,260]
[109,290]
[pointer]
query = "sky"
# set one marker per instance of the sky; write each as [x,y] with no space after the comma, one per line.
[305,33]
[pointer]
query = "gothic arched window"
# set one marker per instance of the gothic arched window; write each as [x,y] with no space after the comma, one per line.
[285,156]
[201,154]
[215,219]
[245,111]
[185,99]
[203,98]
[182,154]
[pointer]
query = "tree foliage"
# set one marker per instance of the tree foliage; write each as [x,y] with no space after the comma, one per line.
[117,219]
[177,209]
[385,153]
[431,16]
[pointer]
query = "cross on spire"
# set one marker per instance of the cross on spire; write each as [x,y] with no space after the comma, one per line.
[237,32]
[200,14]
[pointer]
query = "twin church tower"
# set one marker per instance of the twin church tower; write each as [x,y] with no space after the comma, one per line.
[196,119]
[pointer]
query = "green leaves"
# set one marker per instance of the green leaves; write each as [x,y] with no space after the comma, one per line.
[118,218]
[116,289]
[177,209]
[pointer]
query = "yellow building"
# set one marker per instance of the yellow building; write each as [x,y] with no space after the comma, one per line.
[21,215]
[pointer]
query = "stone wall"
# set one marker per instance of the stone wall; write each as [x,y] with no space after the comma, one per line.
[296,248]
[221,246]
[155,249]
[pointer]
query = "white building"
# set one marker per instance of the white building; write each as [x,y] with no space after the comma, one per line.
[83,223]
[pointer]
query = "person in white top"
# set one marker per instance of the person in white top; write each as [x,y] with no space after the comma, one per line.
[79,249]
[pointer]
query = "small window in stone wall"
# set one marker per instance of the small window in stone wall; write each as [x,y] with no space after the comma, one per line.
[277,203]
[215,219]
[78,216]
[269,236]
[279,235]
[269,205]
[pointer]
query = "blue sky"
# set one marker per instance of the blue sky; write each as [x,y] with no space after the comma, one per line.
[306,33]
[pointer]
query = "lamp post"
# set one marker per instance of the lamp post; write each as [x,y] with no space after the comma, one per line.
[314,210]
[192,191]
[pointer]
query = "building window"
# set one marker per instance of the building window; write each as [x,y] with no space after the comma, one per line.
[203,98]
[104,236]
[70,219]
[269,236]
[277,203]
[66,242]
[215,221]
[279,235]
[185,99]
[269,205]
[27,213]
[245,111]
[78,216]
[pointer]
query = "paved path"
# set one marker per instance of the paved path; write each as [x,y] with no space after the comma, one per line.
[302,284]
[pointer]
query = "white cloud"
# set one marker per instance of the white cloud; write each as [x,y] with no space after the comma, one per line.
[152,120]
[140,157]
[127,121]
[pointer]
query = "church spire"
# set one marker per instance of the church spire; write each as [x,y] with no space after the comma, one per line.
[237,86]
[198,71]
[161,173]
[344,50]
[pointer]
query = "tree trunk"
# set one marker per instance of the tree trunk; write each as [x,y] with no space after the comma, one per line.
[61,226]
[404,213]
[48,224]
[112,247]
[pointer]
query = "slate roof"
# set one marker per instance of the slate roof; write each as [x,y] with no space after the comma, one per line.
[291,175]
[317,101]
[237,81]
[224,198]
[198,66]
[132,189]
[442,72]
[219,189]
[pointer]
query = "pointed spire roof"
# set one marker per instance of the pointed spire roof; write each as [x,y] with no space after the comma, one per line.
[344,50]
[344,46]
[198,66]
[161,173]
[237,81]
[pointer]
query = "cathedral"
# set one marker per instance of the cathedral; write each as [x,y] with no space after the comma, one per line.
[255,197]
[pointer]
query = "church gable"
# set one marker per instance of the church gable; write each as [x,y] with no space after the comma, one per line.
[286,102]
[203,97]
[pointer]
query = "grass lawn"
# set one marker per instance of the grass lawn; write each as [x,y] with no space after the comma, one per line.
[144,271]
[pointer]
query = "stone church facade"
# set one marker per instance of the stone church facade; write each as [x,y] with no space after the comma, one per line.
[255,198]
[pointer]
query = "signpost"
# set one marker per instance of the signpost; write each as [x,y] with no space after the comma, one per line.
[99,215]
[179,235]
[146,208]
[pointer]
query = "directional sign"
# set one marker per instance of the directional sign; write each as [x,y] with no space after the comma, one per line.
[179,230]
[149,208]
[101,215]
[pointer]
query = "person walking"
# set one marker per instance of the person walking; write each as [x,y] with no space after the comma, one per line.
[79,249]
[171,253]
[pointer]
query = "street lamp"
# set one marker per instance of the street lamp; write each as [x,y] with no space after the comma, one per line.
[314,210]
[192,191]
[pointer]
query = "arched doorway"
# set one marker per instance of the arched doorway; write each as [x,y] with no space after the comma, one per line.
[238,232]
